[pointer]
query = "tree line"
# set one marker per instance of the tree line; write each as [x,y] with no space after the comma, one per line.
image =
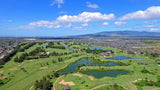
[146,82]
[38,53]
[27,47]
[43,84]
[97,51]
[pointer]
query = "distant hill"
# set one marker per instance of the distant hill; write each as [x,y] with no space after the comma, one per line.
[142,34]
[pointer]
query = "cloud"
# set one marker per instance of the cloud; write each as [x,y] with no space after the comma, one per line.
[105,23]
[79,28]
[90,5]
[40,24]
[46,24]
[149,26]
[66,21]
[119,23]
[154,29]
[62,12]
[85,25]
[69,25]
[82,27]
[85,17]
[151,22]
[58,2]
[10,21]
[150,13]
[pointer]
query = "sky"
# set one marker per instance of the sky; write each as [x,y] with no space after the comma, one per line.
[51,18]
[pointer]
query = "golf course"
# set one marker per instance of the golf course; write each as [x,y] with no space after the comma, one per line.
[78,66]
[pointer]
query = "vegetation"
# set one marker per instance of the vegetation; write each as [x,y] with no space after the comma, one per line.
[43,84]
[111,87]
[4,81]
[147,82]
[96,51]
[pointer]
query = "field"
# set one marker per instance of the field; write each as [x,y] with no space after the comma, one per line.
[23,75]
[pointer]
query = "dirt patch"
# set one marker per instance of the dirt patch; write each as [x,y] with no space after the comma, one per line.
[44,68]
[91,78]
[159,65]
[77,74]
[66,83]
[15,68]
[1,71]
[4,77]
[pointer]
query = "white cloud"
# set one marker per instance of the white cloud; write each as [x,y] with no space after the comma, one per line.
[69,25]
[46,24]
[40,24]
[85,17]
[58,2]
[62,12]
[149,13]
[82,27]
[119,23]
[78,28]
[10,21]
[66,21]
[105,23]
[85,25]
[90,5]
[149,26]
[154,29]
[151,22]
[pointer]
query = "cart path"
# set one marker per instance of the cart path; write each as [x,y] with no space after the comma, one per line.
[134,82]
[107,85]
[58,77]
[30,88]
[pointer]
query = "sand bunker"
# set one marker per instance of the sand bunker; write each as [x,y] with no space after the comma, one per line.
[91,78]
[44,68]
[77,74]
[15,68]
[4,77]
[66,83]
[1,71]
[159,65]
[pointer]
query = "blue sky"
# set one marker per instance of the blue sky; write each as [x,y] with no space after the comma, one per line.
[76,17]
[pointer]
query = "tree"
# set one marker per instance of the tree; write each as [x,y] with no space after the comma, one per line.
[56,74]
[158,78]
[47,85]
[36,85]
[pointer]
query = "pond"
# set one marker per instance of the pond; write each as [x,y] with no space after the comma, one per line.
[100,74]
[121,58]
[98,48]
[70,49]
[72,68]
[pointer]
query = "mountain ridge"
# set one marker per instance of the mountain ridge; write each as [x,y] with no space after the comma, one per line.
[121,34]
